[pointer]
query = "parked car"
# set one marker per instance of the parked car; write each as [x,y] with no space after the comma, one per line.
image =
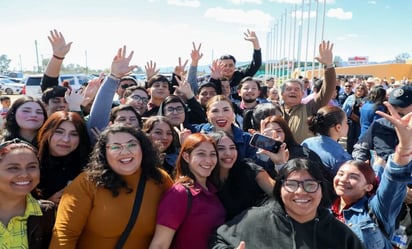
[10,87]
[32,83]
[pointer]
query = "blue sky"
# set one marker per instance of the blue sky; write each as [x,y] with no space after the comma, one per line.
[163,30]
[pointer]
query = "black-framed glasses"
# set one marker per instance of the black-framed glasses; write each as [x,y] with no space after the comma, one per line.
[178,109]
[348,86]
[139,99]
[310,186]
[132,146]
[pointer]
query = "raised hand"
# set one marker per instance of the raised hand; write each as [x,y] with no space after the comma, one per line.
[195,54]
[180,69]
[91,89]
[74,99]
[184,87]
[182,133]
[216,70]
[325,53]
[403,128]
[151,69]
[251,36]
[58,43]
[120,64]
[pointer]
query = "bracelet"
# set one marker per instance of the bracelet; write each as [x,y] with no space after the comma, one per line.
[329,66]
[399,149]
[111,75]
[58,57]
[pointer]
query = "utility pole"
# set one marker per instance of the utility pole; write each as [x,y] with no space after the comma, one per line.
[85,55]
[37,56]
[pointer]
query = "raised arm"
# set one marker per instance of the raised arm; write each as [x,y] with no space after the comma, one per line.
[329,85]
[195,55]
[99,114]
[60,49]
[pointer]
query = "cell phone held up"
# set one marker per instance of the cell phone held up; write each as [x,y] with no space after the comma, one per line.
[264,142]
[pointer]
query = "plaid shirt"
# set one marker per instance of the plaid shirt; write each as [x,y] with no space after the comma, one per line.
[15,234]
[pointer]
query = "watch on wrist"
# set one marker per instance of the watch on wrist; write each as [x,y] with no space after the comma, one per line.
[329,66]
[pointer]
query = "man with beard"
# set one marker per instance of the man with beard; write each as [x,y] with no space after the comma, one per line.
[292,91]
[249,92]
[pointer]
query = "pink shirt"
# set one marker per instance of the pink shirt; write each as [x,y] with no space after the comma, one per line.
[205,215]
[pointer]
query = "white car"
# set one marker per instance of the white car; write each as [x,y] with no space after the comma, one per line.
[32,83]
[10,87]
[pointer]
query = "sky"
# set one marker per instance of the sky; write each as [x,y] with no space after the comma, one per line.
[163,30]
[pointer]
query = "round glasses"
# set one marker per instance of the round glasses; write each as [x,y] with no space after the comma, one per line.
[139,99]
[132,147]
[310,186]
[178,110]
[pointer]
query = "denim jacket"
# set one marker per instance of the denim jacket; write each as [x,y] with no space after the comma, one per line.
[244,149]
[385,204]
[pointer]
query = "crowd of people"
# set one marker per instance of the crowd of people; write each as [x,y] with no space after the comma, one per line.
[170,164]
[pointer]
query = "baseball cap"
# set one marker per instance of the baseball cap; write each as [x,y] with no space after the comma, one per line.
[401,97]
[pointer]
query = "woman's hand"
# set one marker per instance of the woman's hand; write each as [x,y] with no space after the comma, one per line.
[403,128]
[183,133]
[120,64]
[58,43]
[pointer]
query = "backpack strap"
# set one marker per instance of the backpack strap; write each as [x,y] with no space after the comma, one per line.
[135,211]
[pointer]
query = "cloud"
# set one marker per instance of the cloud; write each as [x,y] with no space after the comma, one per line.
[371,2]
[259,20]
[184,3]
[238,2]
[339,14]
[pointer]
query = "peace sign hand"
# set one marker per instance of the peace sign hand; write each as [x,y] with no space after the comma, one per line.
[184,87]
[183,133]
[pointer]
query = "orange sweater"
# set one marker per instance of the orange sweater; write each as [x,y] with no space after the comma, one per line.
[90,217]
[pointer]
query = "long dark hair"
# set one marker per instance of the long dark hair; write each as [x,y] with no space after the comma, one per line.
[298,164]
[289,138]
[11,128]
[80,154]
[99,171]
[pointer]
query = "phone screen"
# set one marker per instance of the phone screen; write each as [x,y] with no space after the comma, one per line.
[266,143]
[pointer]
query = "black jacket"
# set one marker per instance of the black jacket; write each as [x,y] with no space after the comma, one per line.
[40,228]
[270,227]
[380,136]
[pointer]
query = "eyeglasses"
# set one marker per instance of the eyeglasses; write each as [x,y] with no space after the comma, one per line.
[179,110]
[132,147]
[124,86]
[139,99]
[348,86]
[310,186]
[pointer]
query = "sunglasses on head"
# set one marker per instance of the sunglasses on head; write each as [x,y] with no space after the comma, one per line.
[126,86]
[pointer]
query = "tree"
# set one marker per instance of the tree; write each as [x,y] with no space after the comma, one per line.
[4,63]
[401,58]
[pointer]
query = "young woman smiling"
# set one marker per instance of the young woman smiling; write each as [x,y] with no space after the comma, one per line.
[190,210]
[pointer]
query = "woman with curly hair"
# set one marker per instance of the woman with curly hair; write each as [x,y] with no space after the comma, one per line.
[96,207]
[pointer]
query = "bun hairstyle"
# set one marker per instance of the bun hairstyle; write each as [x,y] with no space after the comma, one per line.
[325,118]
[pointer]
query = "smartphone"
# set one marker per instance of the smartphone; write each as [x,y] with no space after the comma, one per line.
[264,142]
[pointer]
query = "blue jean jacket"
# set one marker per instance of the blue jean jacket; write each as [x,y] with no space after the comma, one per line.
[244,149]
[385,204]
